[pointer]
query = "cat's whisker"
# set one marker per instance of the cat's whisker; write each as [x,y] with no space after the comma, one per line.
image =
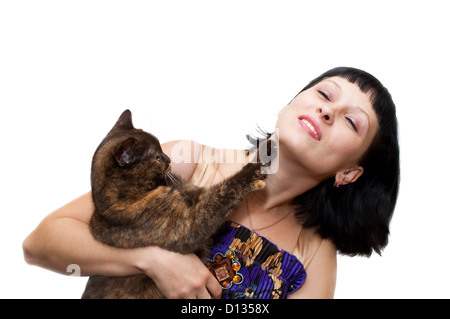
[175,182]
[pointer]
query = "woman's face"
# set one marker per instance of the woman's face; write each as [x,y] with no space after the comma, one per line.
[328,128]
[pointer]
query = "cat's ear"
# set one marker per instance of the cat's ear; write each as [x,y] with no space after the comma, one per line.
[124,121]
[125,153]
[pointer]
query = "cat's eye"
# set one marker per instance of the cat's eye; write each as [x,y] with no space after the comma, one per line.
[158,158]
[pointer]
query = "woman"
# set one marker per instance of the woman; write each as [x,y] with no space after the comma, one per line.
[334,190]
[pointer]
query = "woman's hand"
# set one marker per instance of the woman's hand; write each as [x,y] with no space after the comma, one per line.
[63,238]
[178,276]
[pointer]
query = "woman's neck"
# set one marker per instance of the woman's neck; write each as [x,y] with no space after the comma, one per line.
[283,185]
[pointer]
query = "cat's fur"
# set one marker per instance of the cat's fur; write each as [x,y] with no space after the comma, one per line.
[138,203]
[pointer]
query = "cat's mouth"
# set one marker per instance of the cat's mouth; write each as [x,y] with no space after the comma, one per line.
[173,180]
[167,170]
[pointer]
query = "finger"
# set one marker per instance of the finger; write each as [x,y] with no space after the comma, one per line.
[214,288]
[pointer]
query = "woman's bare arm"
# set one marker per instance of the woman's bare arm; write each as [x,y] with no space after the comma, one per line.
[63,238]
[321,274]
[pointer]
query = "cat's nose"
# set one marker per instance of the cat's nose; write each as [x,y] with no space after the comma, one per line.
[166,158]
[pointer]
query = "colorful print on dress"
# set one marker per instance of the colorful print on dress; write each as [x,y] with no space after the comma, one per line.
[263,270]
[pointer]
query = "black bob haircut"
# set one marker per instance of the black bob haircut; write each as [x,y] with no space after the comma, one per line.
[356,216]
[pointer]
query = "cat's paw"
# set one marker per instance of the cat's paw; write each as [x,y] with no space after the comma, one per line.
[255,173]
[258,185]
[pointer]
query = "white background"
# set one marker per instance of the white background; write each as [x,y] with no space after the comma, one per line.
[211,71]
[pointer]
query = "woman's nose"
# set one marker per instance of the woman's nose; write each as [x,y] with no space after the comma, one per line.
[326,114]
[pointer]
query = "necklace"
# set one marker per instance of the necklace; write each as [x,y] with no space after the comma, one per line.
[254,230]
[264,227]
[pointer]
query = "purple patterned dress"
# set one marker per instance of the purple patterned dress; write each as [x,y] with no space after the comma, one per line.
[249,266]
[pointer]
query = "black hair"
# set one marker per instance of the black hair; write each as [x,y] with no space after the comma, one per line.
[356,216]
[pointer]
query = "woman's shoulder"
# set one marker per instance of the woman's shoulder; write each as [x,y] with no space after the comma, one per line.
[320,262]
[310,242]
[189,158]
[184,156]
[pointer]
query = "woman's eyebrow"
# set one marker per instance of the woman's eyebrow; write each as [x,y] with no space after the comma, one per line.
[360,109]
[340,88]
[335,83]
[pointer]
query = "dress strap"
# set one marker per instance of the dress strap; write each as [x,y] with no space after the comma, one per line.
[308,244]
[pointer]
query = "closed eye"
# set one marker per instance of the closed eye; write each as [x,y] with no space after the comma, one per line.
[324,95]
[352,123]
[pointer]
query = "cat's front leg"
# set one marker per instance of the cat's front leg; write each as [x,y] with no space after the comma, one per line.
[214,205]
[222,199]
[250,177]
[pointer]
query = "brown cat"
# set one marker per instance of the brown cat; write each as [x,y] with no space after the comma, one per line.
[139,202]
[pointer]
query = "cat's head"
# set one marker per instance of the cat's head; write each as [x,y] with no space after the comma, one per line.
[131,155]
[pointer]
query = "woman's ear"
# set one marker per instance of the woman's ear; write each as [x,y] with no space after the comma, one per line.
[349,176]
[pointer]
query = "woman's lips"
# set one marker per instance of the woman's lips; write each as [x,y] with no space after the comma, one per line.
[310,125]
